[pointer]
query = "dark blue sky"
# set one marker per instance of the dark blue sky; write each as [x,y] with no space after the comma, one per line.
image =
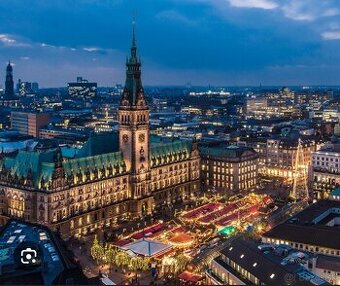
[219,42]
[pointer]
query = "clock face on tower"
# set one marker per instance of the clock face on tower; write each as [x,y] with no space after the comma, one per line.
[125,138]
[141,138]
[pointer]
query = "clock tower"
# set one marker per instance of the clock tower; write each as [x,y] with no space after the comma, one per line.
[133,116]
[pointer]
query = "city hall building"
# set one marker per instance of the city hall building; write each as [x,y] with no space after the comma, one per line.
[96,188]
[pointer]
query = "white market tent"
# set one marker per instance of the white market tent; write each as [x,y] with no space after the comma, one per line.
[147,247]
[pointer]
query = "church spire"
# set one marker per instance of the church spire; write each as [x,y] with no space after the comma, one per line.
[9,83]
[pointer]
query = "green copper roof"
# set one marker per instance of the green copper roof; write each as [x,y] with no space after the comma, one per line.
[38,163]
[95,145]
[46,173]
[231,152]
[41,165]
[94,163]
[167,153]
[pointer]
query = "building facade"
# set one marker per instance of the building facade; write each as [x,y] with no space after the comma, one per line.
[315,229]
[245,262]
[231,169]
[325,170]
[79,195]
[282,153]
[82,89]
[27,88]
[29,123]
[256,107]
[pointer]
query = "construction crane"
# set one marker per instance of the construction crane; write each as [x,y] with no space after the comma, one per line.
[300,175]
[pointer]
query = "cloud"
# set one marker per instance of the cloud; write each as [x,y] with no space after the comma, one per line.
[5,39]
[310,10]
[298,11]
[44,45]
[91,49]
[239,37]
[175,16]
[331,12]
[9,40]
[259,4]
[24,58]
[319,17]
[97,50]
[331,35]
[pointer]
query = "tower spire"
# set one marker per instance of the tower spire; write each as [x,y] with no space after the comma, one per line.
[133,45]
[133,31]
[134,129]
[9,83]
[133,92]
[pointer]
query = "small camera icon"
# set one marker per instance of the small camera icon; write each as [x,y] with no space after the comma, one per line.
[28,256]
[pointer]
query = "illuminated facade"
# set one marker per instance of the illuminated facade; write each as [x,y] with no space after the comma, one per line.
[256,106]
[231,169]
[244,262]
[280,104]
[82,194]
[326,170]
[82,89]
[281,156]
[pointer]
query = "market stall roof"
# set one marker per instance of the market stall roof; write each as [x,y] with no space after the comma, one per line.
[121,242]
[181,238]
[190,277]
[227,231]
[147,247]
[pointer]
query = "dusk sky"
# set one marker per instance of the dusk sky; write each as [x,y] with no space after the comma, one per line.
[218,42]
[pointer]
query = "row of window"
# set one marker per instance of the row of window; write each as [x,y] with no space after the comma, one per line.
[62,214]
[330,159]
[303,246]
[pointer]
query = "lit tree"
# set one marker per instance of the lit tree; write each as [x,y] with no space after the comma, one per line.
[111,253]
[122,259]
[97,251]
[134,263]
[169,265]
[145,264]
[181,262]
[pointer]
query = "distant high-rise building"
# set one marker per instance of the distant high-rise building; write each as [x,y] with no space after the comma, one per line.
[9,84]
[82,89]
[26,88]
[29,123]
[35,86]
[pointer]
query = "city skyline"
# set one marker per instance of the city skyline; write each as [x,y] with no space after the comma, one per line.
[185,185]
[249,42]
